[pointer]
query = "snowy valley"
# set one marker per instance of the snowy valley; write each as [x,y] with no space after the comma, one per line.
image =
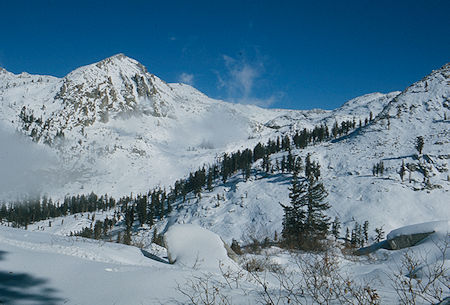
[120,156]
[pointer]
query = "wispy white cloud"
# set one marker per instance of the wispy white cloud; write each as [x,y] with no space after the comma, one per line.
[186,78]
[240,80]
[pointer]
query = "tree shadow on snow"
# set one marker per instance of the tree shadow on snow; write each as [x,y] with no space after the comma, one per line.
[17,288]
[2,254]
[280,179]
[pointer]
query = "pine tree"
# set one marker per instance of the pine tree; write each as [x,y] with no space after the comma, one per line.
[335,129]
[336,227]
[127,238]
[247,171]
[402,170]
[294,214]
[317,222]
[142,209]
[98,229]
[304,222]
[379,234]
[209,180]
[419,144]
[366,231]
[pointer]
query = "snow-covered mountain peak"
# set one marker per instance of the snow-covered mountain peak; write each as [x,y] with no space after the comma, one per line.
[115,86]
[3,71]
[363,100]
[114,115]
[117,64]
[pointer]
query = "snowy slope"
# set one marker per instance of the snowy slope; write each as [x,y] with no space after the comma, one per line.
[156,132]
[242,210]
[118,128]
[79,271]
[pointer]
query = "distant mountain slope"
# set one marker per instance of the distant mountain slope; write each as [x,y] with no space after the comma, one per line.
[118,128]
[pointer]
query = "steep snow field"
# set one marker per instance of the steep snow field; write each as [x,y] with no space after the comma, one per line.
[241,209]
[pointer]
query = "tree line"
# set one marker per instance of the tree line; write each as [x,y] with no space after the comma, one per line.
[157,203]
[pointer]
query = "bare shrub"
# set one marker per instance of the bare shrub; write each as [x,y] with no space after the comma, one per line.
[260,264]
[317,279]
[416,281]
[205,290]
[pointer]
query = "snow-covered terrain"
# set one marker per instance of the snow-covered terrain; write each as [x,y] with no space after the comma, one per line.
[112,127]
[41,268]
[118,128]
[252,208]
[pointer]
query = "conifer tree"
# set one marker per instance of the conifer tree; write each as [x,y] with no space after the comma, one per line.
[336,227]
[379,234]
[317,222]
[304,221]
[402,170]
[366,231]
[419,144]
[295,214]
[209,180]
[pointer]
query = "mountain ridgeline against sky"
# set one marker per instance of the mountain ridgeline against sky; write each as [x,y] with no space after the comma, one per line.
[106,120]
[116,128]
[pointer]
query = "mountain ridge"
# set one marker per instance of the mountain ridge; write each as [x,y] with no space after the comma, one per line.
[110,118]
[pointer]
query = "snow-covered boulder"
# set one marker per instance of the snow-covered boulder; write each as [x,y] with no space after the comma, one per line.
[195,247]
[411,235]
[433,226]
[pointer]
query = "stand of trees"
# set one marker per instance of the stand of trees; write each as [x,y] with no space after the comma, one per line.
[304,221]
[158,203]
[22,213]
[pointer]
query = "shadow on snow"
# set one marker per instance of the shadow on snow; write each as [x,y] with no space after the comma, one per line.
[18,288]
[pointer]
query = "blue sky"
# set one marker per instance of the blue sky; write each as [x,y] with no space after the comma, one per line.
[284,54]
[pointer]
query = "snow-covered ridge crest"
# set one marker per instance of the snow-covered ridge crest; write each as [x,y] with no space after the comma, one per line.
[425,99]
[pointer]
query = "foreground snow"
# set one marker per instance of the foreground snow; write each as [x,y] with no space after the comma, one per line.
[43,268]
[56,270]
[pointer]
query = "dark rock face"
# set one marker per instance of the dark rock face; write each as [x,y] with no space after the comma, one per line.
[406,241]
[396,243]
